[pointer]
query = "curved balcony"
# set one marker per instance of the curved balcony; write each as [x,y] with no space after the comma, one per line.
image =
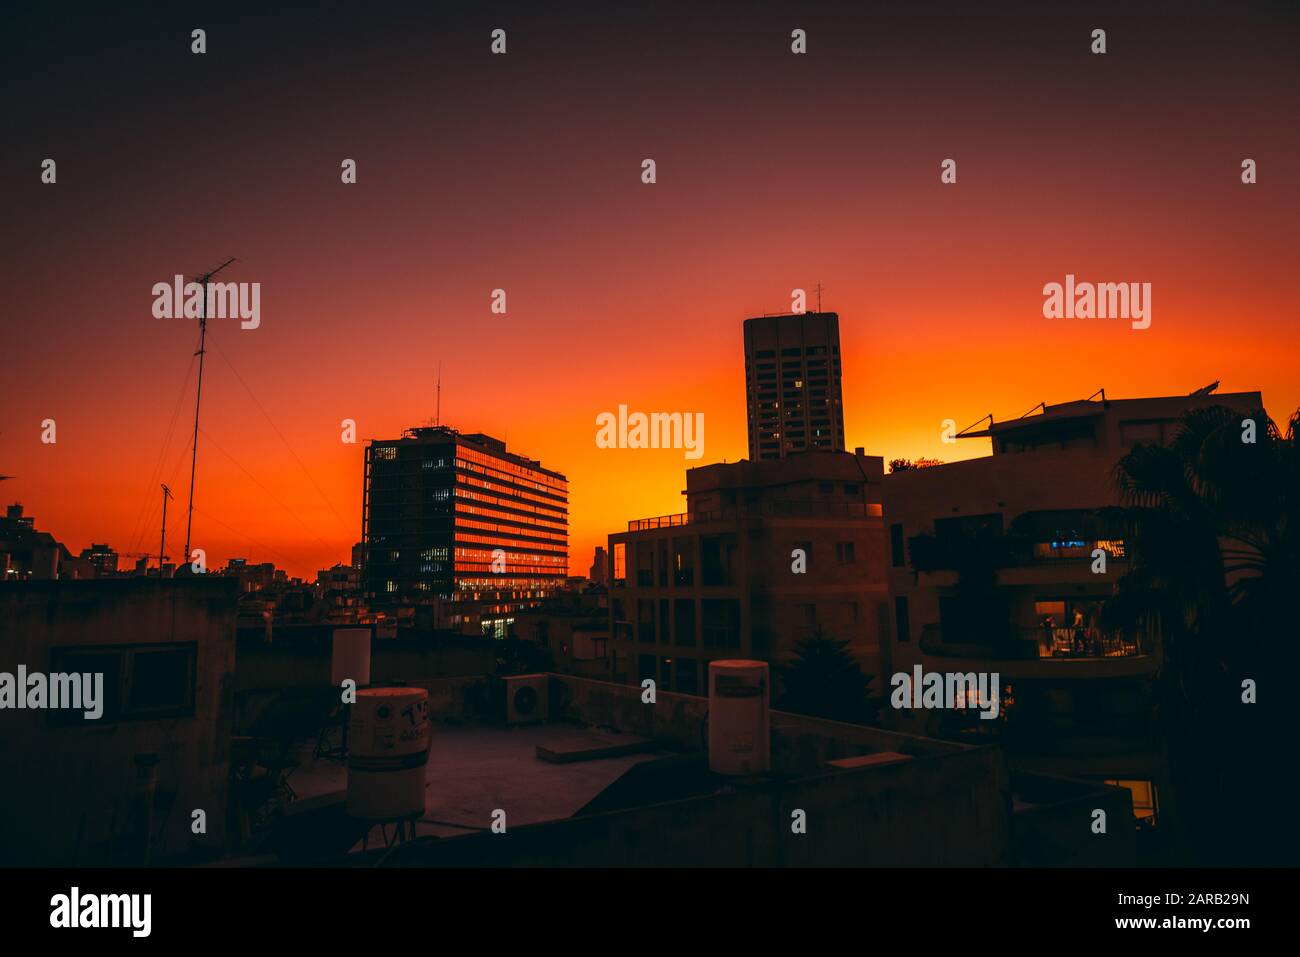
[1047,653]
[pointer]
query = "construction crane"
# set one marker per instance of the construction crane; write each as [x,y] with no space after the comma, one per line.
[146,556]
[198,396]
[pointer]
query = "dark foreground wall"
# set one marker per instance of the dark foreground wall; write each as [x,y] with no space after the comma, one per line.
[74,791]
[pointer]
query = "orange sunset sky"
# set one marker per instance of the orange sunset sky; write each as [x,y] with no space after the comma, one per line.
[522,172]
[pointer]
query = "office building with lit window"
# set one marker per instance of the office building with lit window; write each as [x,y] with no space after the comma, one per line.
[792,384]
[454,522]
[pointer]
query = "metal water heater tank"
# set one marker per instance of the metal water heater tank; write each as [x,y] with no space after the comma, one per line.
[739,722]
[388,750]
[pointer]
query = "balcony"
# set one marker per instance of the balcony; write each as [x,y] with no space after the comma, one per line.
[1043,652]
[1085,642]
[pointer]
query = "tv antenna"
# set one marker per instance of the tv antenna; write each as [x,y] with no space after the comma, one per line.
[198,396]
[162,546]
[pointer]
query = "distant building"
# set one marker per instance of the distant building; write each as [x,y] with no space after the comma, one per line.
[574,627]
[103,558]
[455,522]
[30,555]
[253,577]
[766,554]
[340,588]
[992,570]
[792,384]
[599,571]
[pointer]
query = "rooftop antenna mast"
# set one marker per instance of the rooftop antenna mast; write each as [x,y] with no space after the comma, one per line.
[203,337]
[819,297]
[440,393]
[162,546]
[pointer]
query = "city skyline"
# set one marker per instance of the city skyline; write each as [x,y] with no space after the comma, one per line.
[774,172]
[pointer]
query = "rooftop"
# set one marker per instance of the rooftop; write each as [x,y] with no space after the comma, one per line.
[474,769]
[609,780]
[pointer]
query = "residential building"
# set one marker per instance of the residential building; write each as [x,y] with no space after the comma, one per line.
[792,384]
[1002,563]
[574,627]
[767,553]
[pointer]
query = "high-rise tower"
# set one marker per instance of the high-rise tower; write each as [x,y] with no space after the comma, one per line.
[792,384]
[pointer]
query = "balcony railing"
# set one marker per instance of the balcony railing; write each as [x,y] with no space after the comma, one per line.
[660,521]
[1085,642]
[774,509]
[1025,643]
[930,554]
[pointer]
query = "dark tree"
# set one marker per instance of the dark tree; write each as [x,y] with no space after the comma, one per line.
[1215,572]
[822,680]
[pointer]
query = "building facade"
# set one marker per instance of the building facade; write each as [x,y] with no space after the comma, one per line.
[792,384]
[457,523]
[767,554]
[1002,564]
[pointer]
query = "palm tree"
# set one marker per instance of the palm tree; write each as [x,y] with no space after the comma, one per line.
[1215,571]
[823,680]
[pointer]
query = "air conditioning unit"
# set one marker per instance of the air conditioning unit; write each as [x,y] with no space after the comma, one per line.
[526,698]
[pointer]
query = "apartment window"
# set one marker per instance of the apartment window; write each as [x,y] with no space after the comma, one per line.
[645,559]
[664,637]
[646,665]
[717,557]
[684,620]
[645,621]
[850,488]
[902,620]
[684,676]
[898,552]
[683,561]
[620,561]
[141,682]
[844,553]
[1146,804]
[721,618]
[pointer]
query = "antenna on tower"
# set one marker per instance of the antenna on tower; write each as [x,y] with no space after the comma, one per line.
[198,396]
[440,393]
[819,297]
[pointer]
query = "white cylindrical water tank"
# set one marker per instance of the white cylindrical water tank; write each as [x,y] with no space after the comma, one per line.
[350,657]
[739,730]
[388,748]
